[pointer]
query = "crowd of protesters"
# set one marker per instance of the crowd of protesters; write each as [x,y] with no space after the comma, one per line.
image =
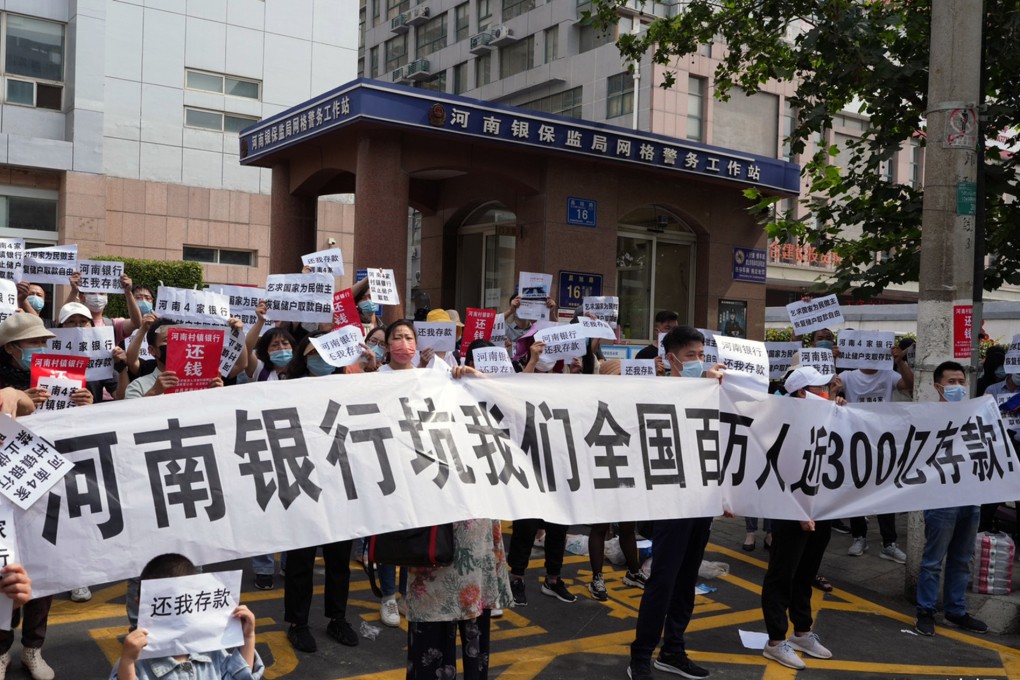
[432,599]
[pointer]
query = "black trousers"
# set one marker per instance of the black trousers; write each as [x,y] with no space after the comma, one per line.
[432,648]
[34,616]
[794,560]
[297,598]
[886,527]
[523,538]
[678,545]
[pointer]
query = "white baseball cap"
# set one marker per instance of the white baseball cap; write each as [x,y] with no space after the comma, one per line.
[805,376]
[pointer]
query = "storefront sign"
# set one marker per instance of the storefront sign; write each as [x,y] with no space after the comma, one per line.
[576,286]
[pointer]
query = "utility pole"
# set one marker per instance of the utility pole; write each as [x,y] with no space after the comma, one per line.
[948,219]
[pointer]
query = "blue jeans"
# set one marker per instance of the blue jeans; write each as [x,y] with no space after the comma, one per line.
[388,580]
[948,534]
[264,565]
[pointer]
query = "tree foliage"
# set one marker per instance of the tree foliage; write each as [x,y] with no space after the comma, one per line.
[868,53]
[152,274]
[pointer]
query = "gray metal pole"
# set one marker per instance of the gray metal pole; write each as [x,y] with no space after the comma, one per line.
[948,234]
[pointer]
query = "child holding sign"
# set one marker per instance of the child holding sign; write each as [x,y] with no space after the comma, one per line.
[242,663]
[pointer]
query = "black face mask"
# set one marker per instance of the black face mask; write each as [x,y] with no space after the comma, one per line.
[161,354]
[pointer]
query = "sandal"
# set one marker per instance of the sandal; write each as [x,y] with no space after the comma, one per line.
[822,584]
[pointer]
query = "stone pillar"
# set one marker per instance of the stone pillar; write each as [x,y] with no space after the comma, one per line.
[291,225]
[380,221]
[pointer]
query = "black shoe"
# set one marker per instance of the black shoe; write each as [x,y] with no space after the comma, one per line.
[840,527]
[558,590]
[301,639]
[517,589]
[925,625]
[639,671]
[681,665]
[968,623]
[264,581]
[341,631]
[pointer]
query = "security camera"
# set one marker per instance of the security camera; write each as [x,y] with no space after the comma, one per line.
[331,242]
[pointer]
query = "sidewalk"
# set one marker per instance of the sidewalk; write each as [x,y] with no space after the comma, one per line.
[883,577]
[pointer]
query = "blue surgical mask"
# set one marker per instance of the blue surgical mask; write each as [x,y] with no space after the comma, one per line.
[824,344]
[693,369]
[366,307]
[318,366]
[379,352]
[26,356]
[954,392]
[36,302]
[281,357]
[145,307]
[1000,373]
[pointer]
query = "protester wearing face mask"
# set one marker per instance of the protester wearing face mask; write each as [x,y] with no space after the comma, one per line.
[678,546]
[948,535]
[31,298]
[143,297]
[375,341]
[22,336]
[96,303]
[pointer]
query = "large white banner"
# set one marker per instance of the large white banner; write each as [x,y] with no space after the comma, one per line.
[274,466]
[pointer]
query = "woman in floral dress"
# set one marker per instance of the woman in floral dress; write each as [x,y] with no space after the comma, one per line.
[444,600]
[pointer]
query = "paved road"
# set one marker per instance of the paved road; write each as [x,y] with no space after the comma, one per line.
[550,640]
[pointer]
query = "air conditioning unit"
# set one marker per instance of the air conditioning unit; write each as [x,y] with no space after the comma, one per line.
[502,35]
[480,43]
[417,70]
[417,15]
[398,76]
[398,24]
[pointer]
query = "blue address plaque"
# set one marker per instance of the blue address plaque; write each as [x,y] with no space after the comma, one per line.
[575,286]
[582,211]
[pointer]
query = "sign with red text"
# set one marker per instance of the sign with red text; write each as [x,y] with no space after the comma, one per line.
[194,355]
[963,326]
[63,366]
[478,325]
[345,312]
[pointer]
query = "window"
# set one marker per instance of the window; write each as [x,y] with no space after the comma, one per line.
[462,21]
[566,103]
[517,58]
[515,8]
[431,36]
[619,95]
[552,44]
[483,69]
[696,108]
[915,165]
[395,7]
[484,14]
[34,62]
[28,214]
[460,78]
[223,84]
[373,62]
[396,52]
[216,120]
[243,258]
[591,37]
[436,82]
[375,11]
[789,121]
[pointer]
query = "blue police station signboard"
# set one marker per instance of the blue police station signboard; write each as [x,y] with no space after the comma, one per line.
[360,275]
[575,286]
[749,265]
[581,211]
[371,101]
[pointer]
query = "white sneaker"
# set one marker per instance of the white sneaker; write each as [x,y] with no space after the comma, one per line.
[389,612]
[31,657]
[5,661]
[893,552]
[784,654]
[82,594]
[494,614]
[858,547]
[811,645]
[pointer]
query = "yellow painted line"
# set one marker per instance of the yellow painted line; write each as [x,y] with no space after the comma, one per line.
[739,555]
[513,633]
[524,670]
[109,645]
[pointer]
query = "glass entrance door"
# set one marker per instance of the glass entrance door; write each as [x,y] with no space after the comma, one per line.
[653,273]
[485,268]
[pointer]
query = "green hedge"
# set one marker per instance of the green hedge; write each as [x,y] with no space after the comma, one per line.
[149,273]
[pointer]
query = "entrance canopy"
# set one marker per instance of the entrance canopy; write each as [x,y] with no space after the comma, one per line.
[435,114]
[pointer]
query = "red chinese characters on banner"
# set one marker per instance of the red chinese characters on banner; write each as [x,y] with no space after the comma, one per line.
[62,366]
[963,325]
[478,324]
[194,356]
[345,312]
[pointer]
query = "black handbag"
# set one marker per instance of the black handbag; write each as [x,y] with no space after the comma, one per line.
[431,546]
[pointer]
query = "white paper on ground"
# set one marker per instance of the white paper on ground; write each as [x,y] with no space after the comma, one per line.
[753,640]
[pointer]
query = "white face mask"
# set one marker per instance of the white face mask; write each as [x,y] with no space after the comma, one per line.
[545,365]
[95,302]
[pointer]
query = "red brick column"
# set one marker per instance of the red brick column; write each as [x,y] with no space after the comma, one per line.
[291,225]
